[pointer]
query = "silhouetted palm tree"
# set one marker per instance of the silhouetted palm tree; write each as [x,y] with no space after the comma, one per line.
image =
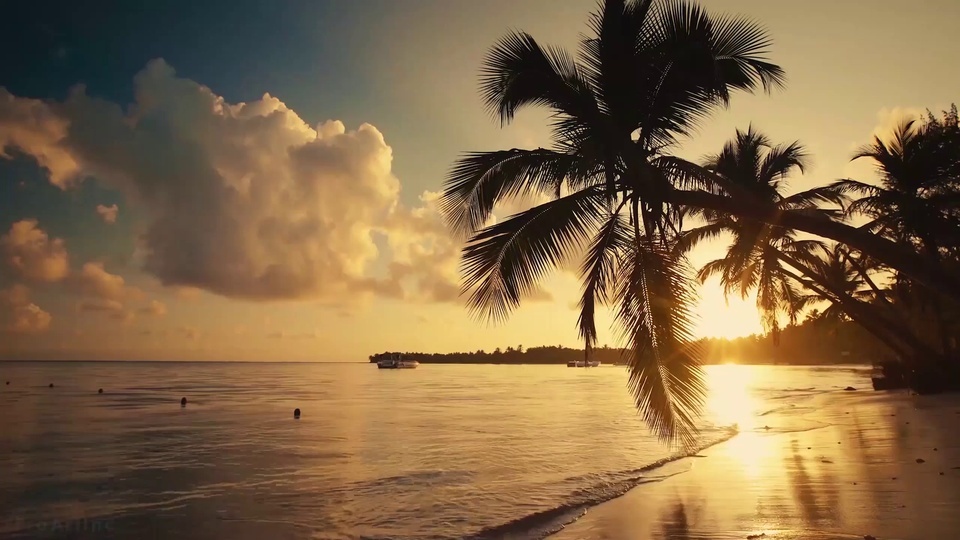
[917,201]
[917,198]
[645,78]
[648,75]
[755,258]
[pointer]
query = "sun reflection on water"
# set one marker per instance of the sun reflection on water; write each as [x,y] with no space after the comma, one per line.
[729,398]
[731,402]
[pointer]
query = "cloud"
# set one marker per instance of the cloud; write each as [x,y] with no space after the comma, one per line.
[29,253]
[155,308]
[31,126]
[20,316]
[187,293]
[108,213]
[245,200]
[95,281]
[29,319]
[100,305]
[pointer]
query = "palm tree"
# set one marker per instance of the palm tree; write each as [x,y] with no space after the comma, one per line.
[918,196]
[755,258]
[648,75]
[836,276]
[917,200]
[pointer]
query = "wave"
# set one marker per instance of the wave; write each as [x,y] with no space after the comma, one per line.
[541,524]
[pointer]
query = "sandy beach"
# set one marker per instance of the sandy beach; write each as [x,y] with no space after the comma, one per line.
[854,464]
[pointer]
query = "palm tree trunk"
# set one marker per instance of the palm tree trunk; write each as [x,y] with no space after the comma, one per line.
[855,315]
[864,314]
[890,253]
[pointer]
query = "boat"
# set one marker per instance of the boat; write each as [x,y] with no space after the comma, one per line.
[582,363]
[397,361]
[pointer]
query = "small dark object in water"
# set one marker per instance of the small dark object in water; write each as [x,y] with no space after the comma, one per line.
[51,385]
[100,391]
[808,448]
[766,428]
[296,413]
[921,460]
[854,483]
[941,473]
[934,449]
[838,442]
[849,389]
[894,478]
[908,423]
[183,402]
[8,383]
[757,536]
[825,461]
[868,537]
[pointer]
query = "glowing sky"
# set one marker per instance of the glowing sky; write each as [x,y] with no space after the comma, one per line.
[128,136]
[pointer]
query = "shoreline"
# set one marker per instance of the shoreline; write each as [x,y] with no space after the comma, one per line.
[885,464]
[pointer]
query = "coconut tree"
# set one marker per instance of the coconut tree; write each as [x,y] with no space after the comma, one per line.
[754,260]
[646,76]
[917,199]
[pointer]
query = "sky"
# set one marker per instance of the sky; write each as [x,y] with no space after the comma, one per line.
[258,180]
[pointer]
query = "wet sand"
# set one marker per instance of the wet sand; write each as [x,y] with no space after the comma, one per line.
[844,467]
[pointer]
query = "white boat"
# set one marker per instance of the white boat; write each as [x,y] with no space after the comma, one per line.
[583,363]
[397,361]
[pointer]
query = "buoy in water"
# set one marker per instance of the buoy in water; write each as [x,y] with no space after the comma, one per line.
[296,413]
[51,385]
[100,391]
[183,402]
[8,383]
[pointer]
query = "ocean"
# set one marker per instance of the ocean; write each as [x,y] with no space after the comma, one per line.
[442,451]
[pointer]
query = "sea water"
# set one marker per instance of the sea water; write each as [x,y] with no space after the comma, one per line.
[442,451]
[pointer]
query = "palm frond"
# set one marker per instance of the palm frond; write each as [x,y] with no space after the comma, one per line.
[655,313]
[505,261]
[598,273]
[741,47]
[813,198]
[689,239]
[518,72]
[780,161]
[479,180]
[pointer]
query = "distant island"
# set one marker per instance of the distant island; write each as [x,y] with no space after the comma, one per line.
[813,342]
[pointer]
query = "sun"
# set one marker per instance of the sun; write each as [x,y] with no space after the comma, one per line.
[725,317]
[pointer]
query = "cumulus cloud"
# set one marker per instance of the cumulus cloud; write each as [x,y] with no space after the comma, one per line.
[155,308]
[111,308]
[30,254]
[31,126]
[95,281]
[245,200]
[108,213]
[18,315]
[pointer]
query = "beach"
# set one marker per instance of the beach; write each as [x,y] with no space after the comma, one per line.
[855,464]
